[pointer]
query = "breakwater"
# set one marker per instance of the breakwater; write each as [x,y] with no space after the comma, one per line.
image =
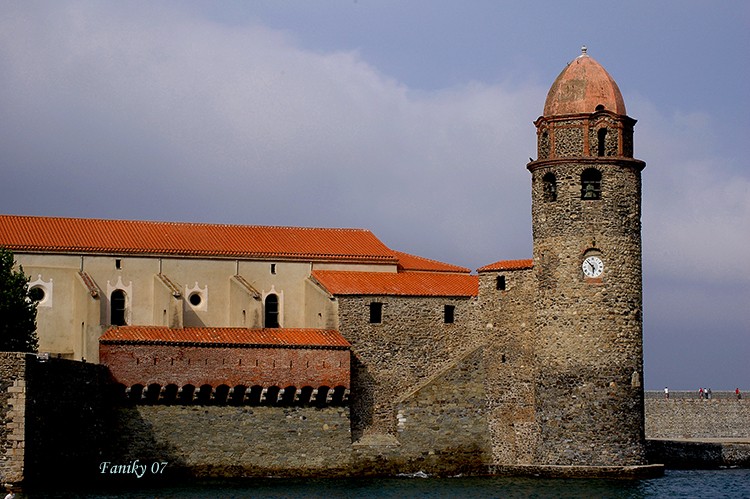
[687,431]
[686,416]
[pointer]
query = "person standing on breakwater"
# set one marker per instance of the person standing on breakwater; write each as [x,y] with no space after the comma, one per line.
[737,392]
[666,392]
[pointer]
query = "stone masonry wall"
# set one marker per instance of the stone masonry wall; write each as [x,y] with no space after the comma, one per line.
[588,344]
[67,414]
[507,319]
[55,415]
[442,425]
[392,357]
[723,416]
[588,332]
[12,416]
[228,441]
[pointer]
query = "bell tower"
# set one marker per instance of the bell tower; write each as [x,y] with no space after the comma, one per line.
[586,216]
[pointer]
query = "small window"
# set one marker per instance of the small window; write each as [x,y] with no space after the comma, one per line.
[273,269]
[601,136]
[272,311]
[376,312]
[195,299]
[37,293]
[117,307]
[600,107]
[549,183]
[591,184]
[449,312]
[118,264]
[500,283]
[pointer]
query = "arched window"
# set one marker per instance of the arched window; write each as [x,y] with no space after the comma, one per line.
[591,184]
[117,307]
[549,183]
[601,136]
[272,311]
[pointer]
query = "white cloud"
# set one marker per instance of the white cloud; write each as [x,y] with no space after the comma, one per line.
[185,118]
[148,113]
[696,200]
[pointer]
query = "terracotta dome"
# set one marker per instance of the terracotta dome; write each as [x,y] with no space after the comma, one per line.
[583,87]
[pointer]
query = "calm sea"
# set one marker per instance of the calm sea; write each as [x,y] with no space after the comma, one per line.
[730,483]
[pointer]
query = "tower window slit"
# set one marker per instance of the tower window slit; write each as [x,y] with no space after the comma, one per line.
[549,187]
[500,283]
[449,312]
[601,136]
[376,312]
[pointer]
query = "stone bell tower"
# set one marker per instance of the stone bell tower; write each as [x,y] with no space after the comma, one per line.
[586,215]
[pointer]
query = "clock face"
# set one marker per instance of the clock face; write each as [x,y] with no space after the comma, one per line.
[592,266]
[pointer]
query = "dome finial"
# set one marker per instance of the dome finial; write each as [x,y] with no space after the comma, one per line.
[583,50]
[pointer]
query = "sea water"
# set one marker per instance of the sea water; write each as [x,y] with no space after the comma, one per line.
[729,483]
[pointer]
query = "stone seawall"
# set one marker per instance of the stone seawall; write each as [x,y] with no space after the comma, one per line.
[225,441]
[686,431]
[61,425]
[55,417]
[685,416]
[12,416]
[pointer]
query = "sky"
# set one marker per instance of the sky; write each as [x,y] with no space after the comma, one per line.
[411,119]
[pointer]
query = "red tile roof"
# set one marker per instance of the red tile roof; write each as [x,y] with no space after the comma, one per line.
[72,235]
[416,263]
[225,336]
[508,265]
[400,284]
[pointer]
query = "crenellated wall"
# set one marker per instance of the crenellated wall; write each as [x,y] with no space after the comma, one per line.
[216,365]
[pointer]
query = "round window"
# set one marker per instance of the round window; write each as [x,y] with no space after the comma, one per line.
[195,299]
[37,293]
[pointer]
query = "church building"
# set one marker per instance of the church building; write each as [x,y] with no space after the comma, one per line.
[547,351]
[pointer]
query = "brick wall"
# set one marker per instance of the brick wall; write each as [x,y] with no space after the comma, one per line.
[133,364]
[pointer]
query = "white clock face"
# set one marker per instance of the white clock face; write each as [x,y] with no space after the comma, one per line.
[592,266]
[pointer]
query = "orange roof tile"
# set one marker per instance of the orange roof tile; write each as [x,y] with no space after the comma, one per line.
[72,235]
[400,284]
[508,265]
[225,336]
[413,262]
